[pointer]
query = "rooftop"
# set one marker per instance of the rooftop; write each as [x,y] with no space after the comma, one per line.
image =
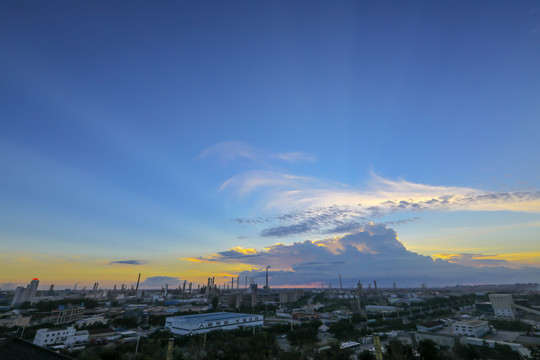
[210,317]
[472,322]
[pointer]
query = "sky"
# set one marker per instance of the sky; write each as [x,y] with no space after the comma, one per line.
[394,141]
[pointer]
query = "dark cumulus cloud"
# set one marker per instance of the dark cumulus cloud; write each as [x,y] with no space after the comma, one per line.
[373,253]
[128,262]
[324,220]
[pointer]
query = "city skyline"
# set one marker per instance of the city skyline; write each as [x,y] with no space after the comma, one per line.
[184,141]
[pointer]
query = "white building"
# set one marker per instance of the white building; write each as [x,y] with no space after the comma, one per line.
[46,337]
[201,323]
[503,305]
[472,328]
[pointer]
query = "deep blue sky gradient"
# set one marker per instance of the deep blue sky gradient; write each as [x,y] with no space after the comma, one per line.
[105,107]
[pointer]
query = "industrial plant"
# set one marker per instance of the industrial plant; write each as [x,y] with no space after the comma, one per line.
[360,319]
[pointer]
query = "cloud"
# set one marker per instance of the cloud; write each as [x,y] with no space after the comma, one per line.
[159,281]
[295,157]
[249,181]
[230,150]
[10,285]
[476,260]
[372,253]
[311,206]
[128,262]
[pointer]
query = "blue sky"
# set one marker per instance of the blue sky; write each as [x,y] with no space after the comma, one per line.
[133,130]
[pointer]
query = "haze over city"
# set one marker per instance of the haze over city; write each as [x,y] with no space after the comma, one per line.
[188,140]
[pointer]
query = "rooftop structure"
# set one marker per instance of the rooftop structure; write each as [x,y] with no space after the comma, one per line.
[66,315]
[201,323]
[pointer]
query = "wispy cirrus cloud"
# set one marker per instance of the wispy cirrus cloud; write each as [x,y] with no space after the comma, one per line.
[231,150]
[250,181]
[128,262]
[313,206]
[294,157]
[228,151]
[372,253]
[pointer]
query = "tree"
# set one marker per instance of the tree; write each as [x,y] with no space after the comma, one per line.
[535,353]
[215,303]
[341,328]
[302,336]
[428,350]
[465,352]
[366,355]
[396,350]
[334,353]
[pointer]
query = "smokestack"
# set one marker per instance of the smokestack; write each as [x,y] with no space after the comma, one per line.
[266,287]
[238,283]
[340,285]
[375,285]
[138,280]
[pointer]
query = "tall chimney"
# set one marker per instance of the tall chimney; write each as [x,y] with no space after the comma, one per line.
[266,287]
[137,288]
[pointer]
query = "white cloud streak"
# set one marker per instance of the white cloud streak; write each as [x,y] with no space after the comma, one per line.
[315,207]
[228,151]
[295,157]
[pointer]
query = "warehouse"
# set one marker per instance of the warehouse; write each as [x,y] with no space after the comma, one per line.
[201,323]
[473,328]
